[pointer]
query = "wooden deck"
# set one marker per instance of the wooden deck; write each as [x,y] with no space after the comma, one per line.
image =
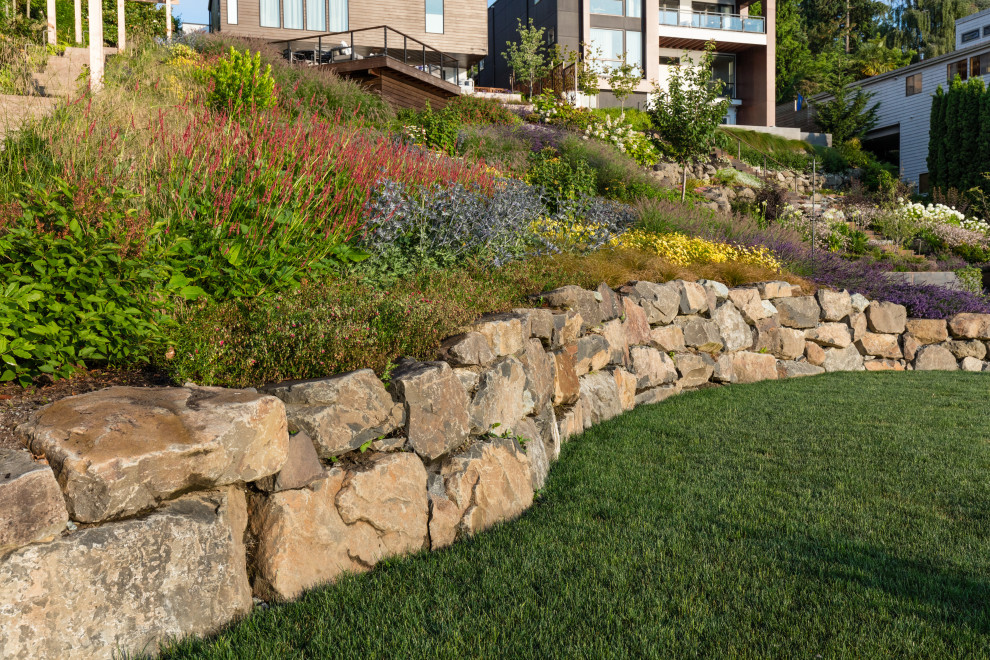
[399,84]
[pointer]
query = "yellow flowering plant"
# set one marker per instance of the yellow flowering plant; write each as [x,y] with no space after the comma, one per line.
[682,250]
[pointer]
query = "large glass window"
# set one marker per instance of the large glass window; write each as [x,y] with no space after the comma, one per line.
[615,46]
[957,69]
[434,16]
[338,15]
[292,14]
[316,15]
[724,69]
[611,7]
[669,12]
[979,65]
[231,12]
[634,8]
[269,14]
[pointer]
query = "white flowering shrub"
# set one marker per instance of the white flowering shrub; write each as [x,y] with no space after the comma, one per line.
[620,133]
[830,230]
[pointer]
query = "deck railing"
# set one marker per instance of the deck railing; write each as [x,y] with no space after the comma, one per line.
[364,43]
[713,21]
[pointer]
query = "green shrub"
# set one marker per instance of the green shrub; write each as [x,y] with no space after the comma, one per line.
[440,129]
[498,146]
[239,81]
[638,119]
[77,291]
[477,110]
[560,179]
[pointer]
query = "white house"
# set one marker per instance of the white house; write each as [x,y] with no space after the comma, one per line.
[905,98]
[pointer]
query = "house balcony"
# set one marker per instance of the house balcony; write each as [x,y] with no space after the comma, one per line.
[691,30]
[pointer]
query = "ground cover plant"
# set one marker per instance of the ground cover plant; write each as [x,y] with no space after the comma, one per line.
[745,521]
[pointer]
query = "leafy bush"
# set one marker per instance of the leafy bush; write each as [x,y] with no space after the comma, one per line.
[617,176]
[239,81]
[477,110]
[79,285]
[553,110]
[559,179]
[503,147]
[681,249]
[638,119]
[771,199]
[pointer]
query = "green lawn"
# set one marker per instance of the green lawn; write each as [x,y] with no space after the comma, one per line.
[838,516]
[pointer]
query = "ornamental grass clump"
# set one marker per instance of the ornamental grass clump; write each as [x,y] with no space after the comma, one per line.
[683,250]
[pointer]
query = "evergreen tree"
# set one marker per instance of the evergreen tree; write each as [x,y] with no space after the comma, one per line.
[847,114]
[936,140]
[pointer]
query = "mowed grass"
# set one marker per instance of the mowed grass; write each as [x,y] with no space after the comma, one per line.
[838,516]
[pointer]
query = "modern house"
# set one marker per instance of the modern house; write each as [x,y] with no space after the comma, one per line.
[656,35]
[905,98]
[409,50]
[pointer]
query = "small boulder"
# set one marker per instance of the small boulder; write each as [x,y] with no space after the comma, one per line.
[814,353]
[660,302]
[694,300]
[972,364]
[504,332]
[801,312]
[793,369]
[540,322]
[833,335]
[580,300]
[963,349]
[843,359]
[635,325]
[878,345]
[668,338]
[657,394]
[735,333]
[886,317]
[601,398]
[466,350]
[652,368]
[502,397]
[591,353]
[775,289]
[610,304]
[566,386]
[935,357]
[626,382]
[749,303]
[859,302]
[436,406]
[31,505]
[928,331]
[301,468]
[566,328]
[970,326]
[700,333]
[695,369]
[750,367]
[836,305]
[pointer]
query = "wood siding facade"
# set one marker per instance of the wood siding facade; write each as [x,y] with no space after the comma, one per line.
[465,23]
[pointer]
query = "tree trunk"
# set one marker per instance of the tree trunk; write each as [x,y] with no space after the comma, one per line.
[684,181]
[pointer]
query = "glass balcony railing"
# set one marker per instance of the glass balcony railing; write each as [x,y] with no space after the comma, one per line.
[712,21]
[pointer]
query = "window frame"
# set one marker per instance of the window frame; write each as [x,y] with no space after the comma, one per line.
[913,84]
[963,73]
[278,13]
[620,3]
[232,3]
[969,35]
[610,62]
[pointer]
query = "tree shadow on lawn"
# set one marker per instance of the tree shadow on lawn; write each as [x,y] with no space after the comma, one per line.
[931,590]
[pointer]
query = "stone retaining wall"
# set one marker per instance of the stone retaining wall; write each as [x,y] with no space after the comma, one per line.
[150,513]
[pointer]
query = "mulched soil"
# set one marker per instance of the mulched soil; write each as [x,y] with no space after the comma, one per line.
[17,403]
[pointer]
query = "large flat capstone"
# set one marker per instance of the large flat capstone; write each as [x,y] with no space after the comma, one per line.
[123,450]
[127,585]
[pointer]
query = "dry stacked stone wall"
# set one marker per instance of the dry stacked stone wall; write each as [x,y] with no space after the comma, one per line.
[134,515]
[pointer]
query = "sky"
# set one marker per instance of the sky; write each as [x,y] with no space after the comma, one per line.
[192,11]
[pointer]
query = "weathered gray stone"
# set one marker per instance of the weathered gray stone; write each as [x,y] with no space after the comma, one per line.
[469,378]
[652,368]
[540,322]
[502,397]
[859,302]
[694,300]
[302,466]
[833,335]
[347,522]
[566,328]
[635,325]
[970,326]
[972,364]
[615,335]
[886,317]
[660,302]
[784,343]
[566,386]
[750,367]
[768,308]
[723,372]
[538,366]
[122,450]
[626,384]
[657,394]
[581,300]
[928,331]
[488,483]
[505,332]
[749,303]
[611,303]
[601,397]
[857,325]
[467,349]
[528,435]
[546,423]
[31,505]
[836,305]
[695,369]
[571,421]
[934,357]
[775,289]
[342,412]
[842,359]
[801,312]
[792,369]
[126,586]
[720,290]
[436,406]
[963,349]
[592,352]
[884,346]
[668,338]
[700,333]
[735,333]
